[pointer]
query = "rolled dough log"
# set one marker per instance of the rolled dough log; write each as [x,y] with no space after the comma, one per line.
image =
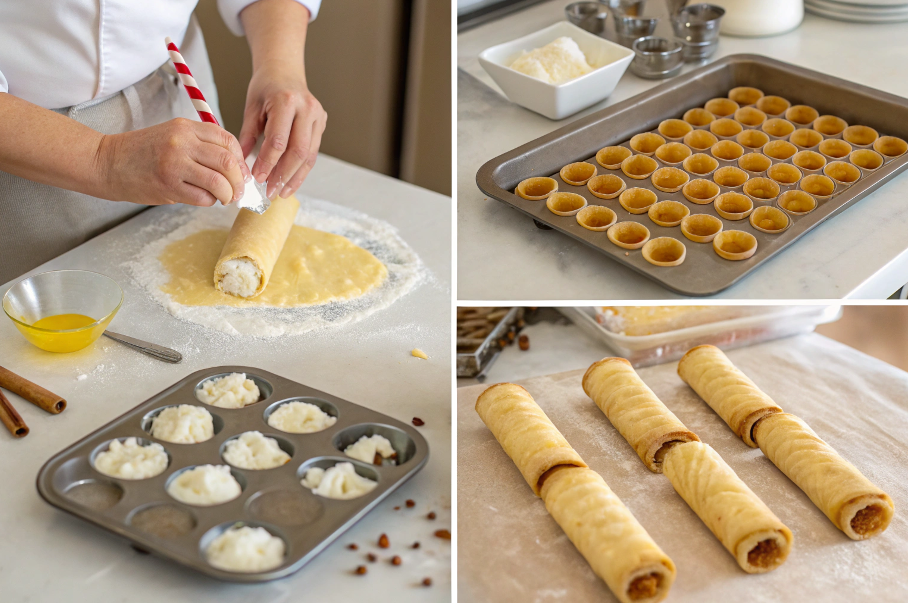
[745,526]
[727,390]
[608,536]
[635,411]
[836,487]
[252,248]
[525,432]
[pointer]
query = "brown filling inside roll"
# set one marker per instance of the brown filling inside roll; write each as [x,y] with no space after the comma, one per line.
[765,554]
[868,520]
[663,450]
[549,472]
[644,587]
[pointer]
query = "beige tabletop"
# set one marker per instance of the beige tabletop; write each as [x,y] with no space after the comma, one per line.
[510,549]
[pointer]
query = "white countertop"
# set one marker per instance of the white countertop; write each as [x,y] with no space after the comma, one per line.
[503,256]
[47,555]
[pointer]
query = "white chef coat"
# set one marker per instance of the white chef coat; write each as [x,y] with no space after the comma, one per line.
[60,53]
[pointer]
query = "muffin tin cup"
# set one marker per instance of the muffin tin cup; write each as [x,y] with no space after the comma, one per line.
[271,498]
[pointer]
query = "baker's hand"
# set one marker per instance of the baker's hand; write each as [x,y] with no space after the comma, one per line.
[178,161]
[279,104]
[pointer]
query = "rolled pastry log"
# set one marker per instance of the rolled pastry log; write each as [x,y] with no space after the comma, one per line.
[635,411]
[835,486]
[727,390]
[252,248]
[757,539]
[608,536]
[525,432]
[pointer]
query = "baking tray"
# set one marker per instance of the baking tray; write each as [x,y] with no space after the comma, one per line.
[271,498]
[473,364]
[703,272]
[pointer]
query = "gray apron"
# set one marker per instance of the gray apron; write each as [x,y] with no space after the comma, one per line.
[39,222]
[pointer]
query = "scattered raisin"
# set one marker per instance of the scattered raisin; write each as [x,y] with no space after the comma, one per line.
[372,558]
[410,503]
[383,541]
[352,547]
[361,570]
[418,422]
[427,582]
[397,508]
[376,460]
[431,515]
[396,560]
[524,343]
[415,545]
[443,534]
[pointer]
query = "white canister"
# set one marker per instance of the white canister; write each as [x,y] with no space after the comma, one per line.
[760,17]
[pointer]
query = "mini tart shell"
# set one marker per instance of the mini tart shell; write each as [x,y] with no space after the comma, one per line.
[809,162]
[890,147]
[725,128]
[761,182]
[595,183]
[674,129]
[778,128]
[746,161]
[860,136]
[866,160]
[698,117]
[784,174]
[752,139]
[786,197]
[750,117]
[700,183]
[700,165]
[611,157]
[723,174]
[801,115]
[776,106]
[680,211]
[830,126]
[565,204]
[743,240]
[673,153]
[688,221]
[605,218]
[810,182]
[727,150]
[626,198]
[805,138]
[647,163]
[834,148]
[646,143]
[578,173]
[723,206]
[621,229]
[721,107]
[678,179]
[745,95]
[530,183]
[837,166]
[653,247]
[700,140]
[779,150]
[772,213]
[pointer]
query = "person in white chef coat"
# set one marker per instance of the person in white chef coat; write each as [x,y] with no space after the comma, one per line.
[94,123]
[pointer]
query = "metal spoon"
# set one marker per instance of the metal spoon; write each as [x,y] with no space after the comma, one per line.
[153,350]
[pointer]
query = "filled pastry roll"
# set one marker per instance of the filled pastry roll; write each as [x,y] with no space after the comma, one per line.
[727,390]
[635,411]
[608,536]
[525,432]
[252,248]
[836,487]
[745,526]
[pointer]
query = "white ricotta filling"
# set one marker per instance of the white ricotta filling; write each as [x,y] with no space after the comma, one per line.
[129,460]
[246,549]
[183,424]
[205,485]
[232,391]
[555,63]
[365,448]
[340,482]
[252,450]
[300,417]
[239,277]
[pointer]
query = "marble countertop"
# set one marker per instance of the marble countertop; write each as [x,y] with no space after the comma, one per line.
[862,254]
[47,555]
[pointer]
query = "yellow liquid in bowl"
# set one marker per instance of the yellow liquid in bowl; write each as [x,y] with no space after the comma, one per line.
[64,332]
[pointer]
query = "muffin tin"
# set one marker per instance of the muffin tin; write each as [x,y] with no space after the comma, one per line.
[142,512]
[703,271]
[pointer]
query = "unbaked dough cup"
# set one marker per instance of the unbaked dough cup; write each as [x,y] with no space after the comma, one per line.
[733,206]
[701,228]
[890,147]
[779,151]
[809,162]
[750,117]
[637,200]
[669,179]
[834,148]
[628,235]
[725,128]
[830,126]
[700,140]
[762,190]
[796,202]
[745,95]
[646,143]
[773,106]
[818,186]
[700,165]
[752,140]
[721,107]
[668,213]
[802,116]
[606,186]
[867,160]
[672,153]
[611,157]
[844,174]
[806,139]
[730,177]
[770,220]
[727,152]
[755,164]
[578,173]
[784,174]
[699,118]
[861,137]
[565,204]
[596,217]
[536,188]
[674,129]
[664,251]
[778,128]
[735,245]
[639,167]
[701,191]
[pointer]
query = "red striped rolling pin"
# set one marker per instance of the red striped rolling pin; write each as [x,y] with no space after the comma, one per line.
[192,87]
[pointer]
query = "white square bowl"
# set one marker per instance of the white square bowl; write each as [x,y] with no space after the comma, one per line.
[608,59]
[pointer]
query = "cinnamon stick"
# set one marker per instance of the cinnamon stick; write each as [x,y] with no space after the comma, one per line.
[35,394]
[11,418]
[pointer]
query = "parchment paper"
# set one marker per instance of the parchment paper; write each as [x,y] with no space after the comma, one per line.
[510,549]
